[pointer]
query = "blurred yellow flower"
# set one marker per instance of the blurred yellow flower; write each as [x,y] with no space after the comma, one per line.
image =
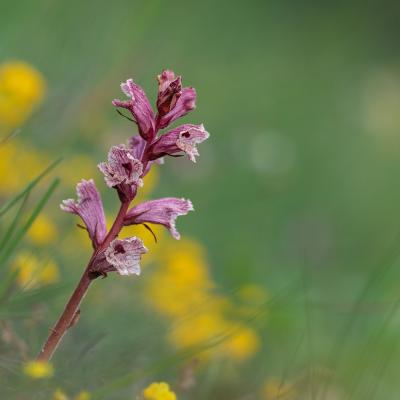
[243,344]
[59,395]
[38,369]
[149,182]
[182,289]
[147,237]
[84,395]
[19,164]
[182,282]
[159,391]
[43,231]
[76,167]
[276,389]
[32,273]
[22,88]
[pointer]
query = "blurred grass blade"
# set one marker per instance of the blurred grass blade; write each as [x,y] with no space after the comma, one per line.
[6,285]
[8,250]
[29,187]
[8,137]
[14,223]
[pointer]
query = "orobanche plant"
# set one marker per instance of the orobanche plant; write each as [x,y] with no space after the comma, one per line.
[124,172]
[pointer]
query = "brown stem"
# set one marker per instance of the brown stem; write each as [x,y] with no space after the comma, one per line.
[65,319]
[72,307]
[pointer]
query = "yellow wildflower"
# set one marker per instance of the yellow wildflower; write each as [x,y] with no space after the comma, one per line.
[76,167]
[19,164]
[59,395]
[38,369]
[21,89]
[83,395]
[31,272]
[159,391]
[182,282]
[43,231]
[147,237]
[150,181]
[243,344]
[183,290]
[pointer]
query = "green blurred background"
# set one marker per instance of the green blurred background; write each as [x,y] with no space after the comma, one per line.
[296,190]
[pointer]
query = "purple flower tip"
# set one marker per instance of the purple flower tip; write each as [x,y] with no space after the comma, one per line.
[139,105]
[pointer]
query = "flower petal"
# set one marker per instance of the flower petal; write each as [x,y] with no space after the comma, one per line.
[185,103]
[139,106]
[169,91]
[125,255]
[184,138]
[162,211]
[90,208]
[122,167]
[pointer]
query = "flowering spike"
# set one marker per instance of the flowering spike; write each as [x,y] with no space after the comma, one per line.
[90,208]
[184,138]
[139,106]
[185,103]
[162,211]
[125,254]
[124,171]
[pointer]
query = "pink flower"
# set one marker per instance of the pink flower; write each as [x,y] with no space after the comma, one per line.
[139,106]
[125,255]
[185,103]
[162,211]
[123,170]
[90,208]
[184,138]
[169,91]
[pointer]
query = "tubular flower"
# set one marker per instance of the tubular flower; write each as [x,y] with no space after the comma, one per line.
[125,254]
[123,171]
[159,391]
[163,211]
[185,103]
[139,106]
[184,138]
[169,91]
[90,208]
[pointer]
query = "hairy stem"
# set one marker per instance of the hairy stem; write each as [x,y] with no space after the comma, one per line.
[72,307]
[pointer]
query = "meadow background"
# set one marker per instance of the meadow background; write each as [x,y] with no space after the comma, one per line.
[285,284]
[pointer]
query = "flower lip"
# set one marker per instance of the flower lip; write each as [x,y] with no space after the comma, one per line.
[184,138]
[122,167]
[125,255]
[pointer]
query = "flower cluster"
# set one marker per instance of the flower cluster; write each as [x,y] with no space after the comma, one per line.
[125,169]
[204,320]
